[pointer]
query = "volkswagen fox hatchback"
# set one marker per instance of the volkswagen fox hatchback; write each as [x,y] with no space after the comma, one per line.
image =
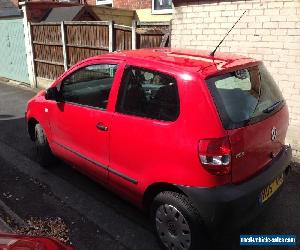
[198,141]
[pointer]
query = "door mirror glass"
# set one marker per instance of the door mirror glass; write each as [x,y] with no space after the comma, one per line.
[53,94]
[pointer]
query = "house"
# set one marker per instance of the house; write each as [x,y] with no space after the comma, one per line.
[73,13]
[9,8]
[89,13]
[124,11]
[146,10]
[270,31]
[53,11]
[38,45]
[119,16]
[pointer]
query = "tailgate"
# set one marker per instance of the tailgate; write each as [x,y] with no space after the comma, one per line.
[254,146]
[255,116]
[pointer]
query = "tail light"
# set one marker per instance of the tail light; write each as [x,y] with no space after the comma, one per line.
[215,155]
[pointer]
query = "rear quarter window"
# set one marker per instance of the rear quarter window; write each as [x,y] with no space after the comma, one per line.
[148,94]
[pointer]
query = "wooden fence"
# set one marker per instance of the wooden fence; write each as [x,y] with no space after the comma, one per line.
[57,46]
[150,35]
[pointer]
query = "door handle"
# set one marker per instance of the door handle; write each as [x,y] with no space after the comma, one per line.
[101,127]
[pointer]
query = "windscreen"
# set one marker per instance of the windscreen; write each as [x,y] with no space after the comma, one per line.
[245,96]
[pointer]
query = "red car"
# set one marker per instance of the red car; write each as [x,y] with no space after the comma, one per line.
[197,140]
[22,242]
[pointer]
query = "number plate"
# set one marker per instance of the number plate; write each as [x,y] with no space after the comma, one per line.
[269,190]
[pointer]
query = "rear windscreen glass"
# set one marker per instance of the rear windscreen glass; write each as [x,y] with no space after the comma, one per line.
[245,96]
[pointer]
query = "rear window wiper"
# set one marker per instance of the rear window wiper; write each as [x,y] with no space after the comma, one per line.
[273,107]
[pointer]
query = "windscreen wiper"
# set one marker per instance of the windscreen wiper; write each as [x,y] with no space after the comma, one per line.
[273,107]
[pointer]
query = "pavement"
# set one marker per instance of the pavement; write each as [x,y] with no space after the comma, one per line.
[91,216]
[4,227]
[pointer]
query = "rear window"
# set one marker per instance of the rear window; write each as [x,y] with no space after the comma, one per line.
[245,96]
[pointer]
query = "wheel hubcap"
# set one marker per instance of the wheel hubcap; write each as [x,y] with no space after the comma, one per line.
[172,227]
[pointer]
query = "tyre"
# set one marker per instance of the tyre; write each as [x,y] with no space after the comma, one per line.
[177,223]
[43,151]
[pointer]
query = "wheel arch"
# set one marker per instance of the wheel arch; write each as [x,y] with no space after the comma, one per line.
[154,189]
[31,127]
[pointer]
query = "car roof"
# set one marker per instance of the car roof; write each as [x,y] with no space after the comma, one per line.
[185,59]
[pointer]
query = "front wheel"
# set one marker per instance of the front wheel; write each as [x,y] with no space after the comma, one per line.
[43,151]
[177,222]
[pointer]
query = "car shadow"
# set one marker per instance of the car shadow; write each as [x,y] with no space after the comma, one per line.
[14,134]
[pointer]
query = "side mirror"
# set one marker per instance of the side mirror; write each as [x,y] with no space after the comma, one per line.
[53,94]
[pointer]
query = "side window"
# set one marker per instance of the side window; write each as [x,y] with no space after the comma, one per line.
[89,86]
[148,94]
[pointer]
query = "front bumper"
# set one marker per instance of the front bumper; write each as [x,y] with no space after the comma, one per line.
[233,205]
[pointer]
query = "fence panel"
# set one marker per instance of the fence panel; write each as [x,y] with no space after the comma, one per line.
[150,35]
[57,46]
[47,50]
[122,37]
[86,39]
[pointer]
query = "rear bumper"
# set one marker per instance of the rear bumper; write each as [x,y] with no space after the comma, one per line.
[233,205]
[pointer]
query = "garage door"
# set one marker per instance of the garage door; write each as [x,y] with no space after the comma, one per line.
[12,50]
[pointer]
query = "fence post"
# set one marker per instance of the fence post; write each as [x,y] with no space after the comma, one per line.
[29,49]
[170,32]
[64,45]
[166,37]
[133,35]
[111,36]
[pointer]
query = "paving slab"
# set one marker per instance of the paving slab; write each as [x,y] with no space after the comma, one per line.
[5,228]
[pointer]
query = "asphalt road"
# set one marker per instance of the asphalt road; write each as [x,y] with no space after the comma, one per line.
[94,217]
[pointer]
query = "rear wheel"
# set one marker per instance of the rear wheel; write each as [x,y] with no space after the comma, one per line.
[43,151]
[177,222]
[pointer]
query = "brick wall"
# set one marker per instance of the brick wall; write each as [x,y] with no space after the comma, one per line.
[15,2]
[132,4]
[90,2]
[127,4]
[36,10]
[270,31]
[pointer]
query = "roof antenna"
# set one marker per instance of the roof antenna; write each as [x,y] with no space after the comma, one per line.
[213,52]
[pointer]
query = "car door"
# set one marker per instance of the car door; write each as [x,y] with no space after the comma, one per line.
[80,123]
[146,113]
